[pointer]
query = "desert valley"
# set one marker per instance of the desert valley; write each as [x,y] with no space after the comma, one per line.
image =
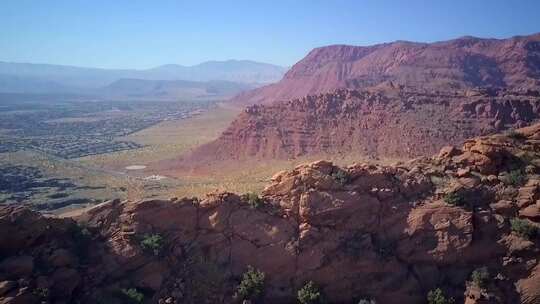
[396,172]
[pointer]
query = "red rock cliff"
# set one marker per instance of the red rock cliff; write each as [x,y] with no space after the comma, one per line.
[382,233]
[389,122]
[455,64]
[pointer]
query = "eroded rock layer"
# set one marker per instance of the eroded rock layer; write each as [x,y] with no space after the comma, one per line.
[391,122]
[384,233]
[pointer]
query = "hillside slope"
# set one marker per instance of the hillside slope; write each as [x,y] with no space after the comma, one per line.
[465,221]
[465,62]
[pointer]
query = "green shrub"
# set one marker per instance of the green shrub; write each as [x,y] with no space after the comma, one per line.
[515,178]
[41,292]
[454,198]
[341,176]
[523,228]
[133,295]
[310,294]
[254,200]
[252,285]
[152,243]
[480,277]
[437,296]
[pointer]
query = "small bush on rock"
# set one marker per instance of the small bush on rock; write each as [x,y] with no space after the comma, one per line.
[515,178]
[254,200]
[480,277]
[310,294]
[523,228]
[341,176]
[454,198]
[437,296]
[152,243]
[252,285]
[133,295]
[41,292]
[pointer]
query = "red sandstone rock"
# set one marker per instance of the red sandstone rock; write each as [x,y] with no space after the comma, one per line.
[378,123]
[371,231]
[466,62]
[529,287]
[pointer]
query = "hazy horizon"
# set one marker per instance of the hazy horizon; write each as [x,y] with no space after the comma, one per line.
[145,68]
[142,35]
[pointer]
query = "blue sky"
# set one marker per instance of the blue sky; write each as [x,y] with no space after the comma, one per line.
[142,34]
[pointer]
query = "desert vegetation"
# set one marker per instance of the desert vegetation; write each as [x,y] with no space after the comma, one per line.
[515,178]
[480,277]
[437,296]
[455,198]
[523,228]
[132,295]
[251,286]
[254,200]
[310,294]
[152,243]
[341,176]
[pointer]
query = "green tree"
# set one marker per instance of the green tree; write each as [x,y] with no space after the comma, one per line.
[454,198]
[341,177]
[252,285]
[480,277]
[310,294]
[437,296]
[152,243]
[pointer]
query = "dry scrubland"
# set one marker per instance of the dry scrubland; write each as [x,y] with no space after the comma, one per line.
[88,183]
[167,139]
[170,139]
[103,177]
[250,176]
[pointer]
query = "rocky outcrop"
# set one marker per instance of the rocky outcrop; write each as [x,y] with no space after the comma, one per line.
[461,63]
[394,122]
[387,233]
[400,99]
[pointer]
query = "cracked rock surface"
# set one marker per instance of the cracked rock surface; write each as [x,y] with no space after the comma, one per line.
[387,233]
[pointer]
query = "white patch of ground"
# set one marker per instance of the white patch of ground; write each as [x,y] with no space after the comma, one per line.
[155,177]
[135,167]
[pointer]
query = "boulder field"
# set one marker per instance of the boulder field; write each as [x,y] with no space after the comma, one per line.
[390,234]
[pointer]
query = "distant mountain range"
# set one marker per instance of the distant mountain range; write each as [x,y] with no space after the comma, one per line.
[171,89]
[46,78]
